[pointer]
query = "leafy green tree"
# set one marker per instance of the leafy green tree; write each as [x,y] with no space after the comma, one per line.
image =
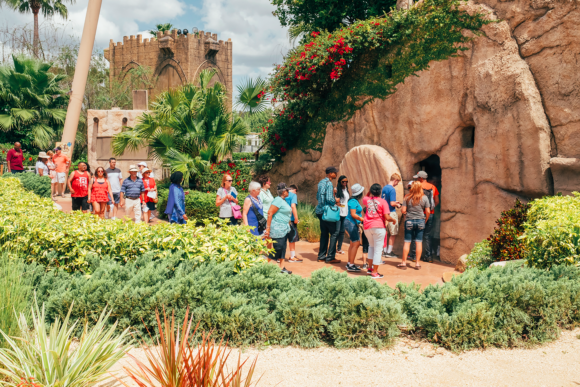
[252,95]
[48,8]
[187,128]
[161,27]
[32,101]
[304,16]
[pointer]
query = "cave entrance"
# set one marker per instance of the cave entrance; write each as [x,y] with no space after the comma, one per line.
[432,165]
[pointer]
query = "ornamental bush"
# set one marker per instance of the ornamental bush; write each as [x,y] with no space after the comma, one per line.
[505,241]
[480,257]
[43,234]
[40,185]
[211,180]
[552,231]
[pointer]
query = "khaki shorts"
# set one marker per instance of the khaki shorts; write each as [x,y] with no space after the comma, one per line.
[393,228]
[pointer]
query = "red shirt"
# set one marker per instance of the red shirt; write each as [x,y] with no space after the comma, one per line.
[430,186]
[376,210]
[148,183]
[80,184]
[15,159]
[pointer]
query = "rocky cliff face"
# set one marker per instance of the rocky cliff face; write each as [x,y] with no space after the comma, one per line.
[498,116]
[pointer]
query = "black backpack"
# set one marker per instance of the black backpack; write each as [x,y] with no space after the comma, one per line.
[429,194]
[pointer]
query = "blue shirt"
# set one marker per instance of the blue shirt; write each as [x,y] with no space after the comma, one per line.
[324,195]
[389,195]
[279,226]
[132,189]
[292,199]
[353,204]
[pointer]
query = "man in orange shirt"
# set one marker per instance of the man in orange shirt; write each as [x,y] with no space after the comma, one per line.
[433,195]
[62,163]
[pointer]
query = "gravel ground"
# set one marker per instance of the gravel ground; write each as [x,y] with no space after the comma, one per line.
[414,363]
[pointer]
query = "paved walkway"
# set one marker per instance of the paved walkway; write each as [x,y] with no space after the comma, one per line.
[430,273]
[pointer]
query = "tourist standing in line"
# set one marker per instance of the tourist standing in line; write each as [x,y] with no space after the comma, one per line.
[266,197]
[78,185]
[15,159]
[325,197]
[115,177]
[432,194]
[52,173]
[353,219]
[132,193]
[41,167]
[62,163]
[343,195]
[252,206]
[376,216]
[416,208]
[175,208]
[150,197]
[293,237]
[143,165]
[390,196]
[226,197]
[279,226]
[99,192]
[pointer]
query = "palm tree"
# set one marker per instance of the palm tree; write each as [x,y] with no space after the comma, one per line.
[187,128]
[252,95]
[161,27]
[48,8]
[31,100]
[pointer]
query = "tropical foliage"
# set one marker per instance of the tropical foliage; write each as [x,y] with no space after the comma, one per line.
[161,27]
[46,355]
[40,185]
[44,234]
[210,180]
[334,74]
[252,95]
[32,104]
[480,257]
[552,231]
[505,241]
[14,295]
[188,128]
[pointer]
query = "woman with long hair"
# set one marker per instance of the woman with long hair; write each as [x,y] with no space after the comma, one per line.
[226,198]
[175,208]
[343,194]
[99,192]
[374,224]
[416,211]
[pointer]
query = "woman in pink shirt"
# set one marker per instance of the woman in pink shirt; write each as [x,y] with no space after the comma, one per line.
[376,215]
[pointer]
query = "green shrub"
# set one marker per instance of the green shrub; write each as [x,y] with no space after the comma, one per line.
[40,185]
[211,180]
[480,257]
[552,232]
[505,307]
[505,242]
[14,295]
[309,226]
[199,206]
[257,306]
[32,226]
[244,156]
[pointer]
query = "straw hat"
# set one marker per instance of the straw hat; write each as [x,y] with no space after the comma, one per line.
[146,169]
[43,155]
[133,168]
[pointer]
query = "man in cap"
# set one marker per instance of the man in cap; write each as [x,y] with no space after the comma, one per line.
[433,195]
[132,193]
[62,163]
[143,165]
[325,197]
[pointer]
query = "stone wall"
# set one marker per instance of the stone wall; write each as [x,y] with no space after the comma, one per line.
[516,91]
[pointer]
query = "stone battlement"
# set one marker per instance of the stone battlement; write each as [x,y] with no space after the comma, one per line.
[200,36]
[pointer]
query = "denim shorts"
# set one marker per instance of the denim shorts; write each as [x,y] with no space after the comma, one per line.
[116,198]
[414,230]
[352,230]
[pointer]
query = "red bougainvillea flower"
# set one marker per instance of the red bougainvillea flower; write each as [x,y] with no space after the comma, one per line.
[314,34]
[282,149]
[30,159]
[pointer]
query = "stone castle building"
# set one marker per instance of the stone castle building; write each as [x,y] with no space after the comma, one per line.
[174,59]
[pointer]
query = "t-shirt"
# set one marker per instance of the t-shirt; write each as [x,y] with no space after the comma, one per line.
[344,203]
[418,211]
[43,166]
[389,195]
[430,186]
[353,204]
[375,214]
[267,199]
[292,198]
[280,227]
[60,162]
[114,176]
[226,207]
[15,159]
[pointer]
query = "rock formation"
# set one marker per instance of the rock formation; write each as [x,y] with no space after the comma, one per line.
[502,117]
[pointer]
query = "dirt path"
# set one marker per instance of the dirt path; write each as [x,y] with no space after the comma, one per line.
[411,363]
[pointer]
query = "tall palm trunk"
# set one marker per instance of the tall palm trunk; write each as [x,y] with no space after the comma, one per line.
[36,39]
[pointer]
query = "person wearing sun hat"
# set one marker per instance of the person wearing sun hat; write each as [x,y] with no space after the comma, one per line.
[142,166]
[150,197]
[41,164]
[132,192]
[353,219]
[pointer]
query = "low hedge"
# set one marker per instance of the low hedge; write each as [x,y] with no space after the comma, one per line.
[40,185]
[505,307]
[43,234]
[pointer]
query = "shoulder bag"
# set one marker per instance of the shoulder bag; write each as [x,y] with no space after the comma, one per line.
[236,209]
[331,213]
[262,222]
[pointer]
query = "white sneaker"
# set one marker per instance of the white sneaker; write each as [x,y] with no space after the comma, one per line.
[114,218]
[106,215]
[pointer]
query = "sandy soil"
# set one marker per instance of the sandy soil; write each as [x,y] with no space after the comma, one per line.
[413,363]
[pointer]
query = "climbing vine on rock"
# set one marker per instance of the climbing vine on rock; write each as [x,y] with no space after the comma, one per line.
[334,74]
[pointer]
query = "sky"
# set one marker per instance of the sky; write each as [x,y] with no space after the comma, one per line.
[258,39]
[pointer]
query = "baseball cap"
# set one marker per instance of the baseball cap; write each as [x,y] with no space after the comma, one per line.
[420,174]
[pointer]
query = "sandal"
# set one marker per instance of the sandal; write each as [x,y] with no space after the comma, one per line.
[402,266]
[417,267]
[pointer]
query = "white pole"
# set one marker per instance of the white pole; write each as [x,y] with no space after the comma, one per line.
[81,73]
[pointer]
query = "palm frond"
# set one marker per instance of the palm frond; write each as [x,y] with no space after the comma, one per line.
[252,95]
[129,140]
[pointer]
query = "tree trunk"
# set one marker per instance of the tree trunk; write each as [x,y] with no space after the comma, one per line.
[36,39]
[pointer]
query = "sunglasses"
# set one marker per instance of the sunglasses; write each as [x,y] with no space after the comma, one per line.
[229,180]
[345,182]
